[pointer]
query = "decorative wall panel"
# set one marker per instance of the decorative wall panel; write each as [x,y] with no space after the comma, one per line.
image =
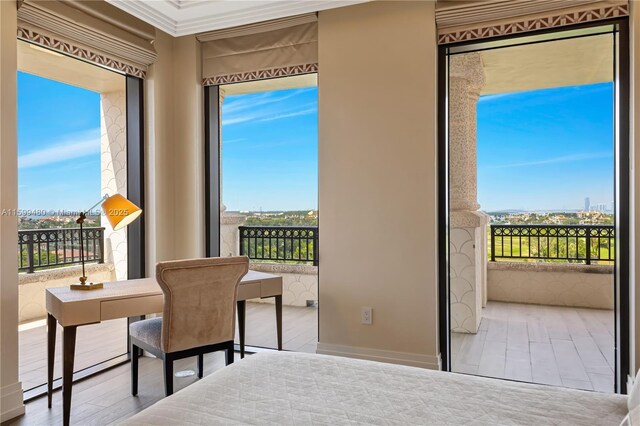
[85,54]
[113,177]
[261,75]
[504,18]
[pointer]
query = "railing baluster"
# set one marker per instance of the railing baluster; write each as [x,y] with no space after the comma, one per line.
[64,246]
[30,264]
[101,245]
[493,243]
[556,242]
[316,249]
[588,247]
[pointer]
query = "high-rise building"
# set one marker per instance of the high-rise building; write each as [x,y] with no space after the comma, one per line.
[587,204]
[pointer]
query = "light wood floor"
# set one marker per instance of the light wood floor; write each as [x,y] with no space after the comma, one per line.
[99,342]
[105,399]
[571,347]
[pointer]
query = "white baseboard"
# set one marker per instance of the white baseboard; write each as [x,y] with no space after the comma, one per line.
[11,401]
[403,358]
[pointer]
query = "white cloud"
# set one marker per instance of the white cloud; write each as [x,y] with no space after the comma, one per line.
[290,114]
[240,119]
[228,141]
[251,101]
[562,159]
[488,98]
[74,147]
[260,107]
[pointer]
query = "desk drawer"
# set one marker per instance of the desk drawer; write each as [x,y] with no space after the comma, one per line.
[249,291]
[131,307]
[271,288]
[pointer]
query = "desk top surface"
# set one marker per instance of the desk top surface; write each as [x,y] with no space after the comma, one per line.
[133,288]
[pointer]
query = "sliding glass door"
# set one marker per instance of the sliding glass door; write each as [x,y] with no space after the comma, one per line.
[79,138]
[534,172]
[267,133]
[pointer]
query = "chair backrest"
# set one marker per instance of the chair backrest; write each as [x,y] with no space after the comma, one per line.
[199,300]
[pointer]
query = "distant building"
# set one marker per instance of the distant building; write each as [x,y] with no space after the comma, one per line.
[587,204]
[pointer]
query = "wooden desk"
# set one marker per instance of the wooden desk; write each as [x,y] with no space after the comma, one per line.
[130,298]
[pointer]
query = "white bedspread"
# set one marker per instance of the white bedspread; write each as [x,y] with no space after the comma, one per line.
[295,388]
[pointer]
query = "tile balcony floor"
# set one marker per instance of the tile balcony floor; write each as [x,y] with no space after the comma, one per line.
[99,342]
[562,346]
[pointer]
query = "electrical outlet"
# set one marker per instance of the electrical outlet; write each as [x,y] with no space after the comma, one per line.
[366,315]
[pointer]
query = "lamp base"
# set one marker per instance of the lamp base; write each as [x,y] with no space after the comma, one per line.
[92,286]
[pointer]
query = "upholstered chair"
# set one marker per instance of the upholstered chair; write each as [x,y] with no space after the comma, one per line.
[198,316]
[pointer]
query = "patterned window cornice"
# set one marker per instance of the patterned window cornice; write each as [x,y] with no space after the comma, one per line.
[78,52]
[261,75]
[446,36]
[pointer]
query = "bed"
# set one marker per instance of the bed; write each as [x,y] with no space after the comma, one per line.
[296,388]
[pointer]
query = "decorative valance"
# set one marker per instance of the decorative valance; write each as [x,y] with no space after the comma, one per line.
[92,31]
[278,48]
[459,21]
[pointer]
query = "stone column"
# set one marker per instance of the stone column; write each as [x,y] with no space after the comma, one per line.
[221,94]
[229,222]
[229,235]
[468,226]
[113,177]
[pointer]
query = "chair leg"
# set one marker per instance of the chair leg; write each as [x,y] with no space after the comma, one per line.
[229,353]
[168,375]
[200,365]
[134,369]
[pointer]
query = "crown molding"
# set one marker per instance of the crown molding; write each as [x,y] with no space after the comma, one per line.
[185,17]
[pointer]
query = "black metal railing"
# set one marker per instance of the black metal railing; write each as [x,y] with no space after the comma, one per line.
[297,244]
[569,243]
[48,248]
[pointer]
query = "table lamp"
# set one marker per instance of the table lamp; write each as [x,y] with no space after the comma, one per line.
[120,212]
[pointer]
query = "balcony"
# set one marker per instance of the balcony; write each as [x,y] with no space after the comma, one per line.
[50,258]
[289,251]
[565,243]
[289,244]
[546,308]
[50,248]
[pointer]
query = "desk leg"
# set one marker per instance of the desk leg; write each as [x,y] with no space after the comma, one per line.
[68,354]
[51,354]
[242,310]
[279,320]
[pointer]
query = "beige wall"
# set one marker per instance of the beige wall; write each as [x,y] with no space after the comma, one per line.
[175,152]
[189,152]
[555,284]
[10,389]
[377,156]
[159,191]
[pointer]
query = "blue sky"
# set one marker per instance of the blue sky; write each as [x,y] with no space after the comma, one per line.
[270,150]
[546,149]
[58,145]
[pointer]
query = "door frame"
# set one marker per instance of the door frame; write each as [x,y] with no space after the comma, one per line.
[213,177]
[212,171]
[622,185]
[136,242]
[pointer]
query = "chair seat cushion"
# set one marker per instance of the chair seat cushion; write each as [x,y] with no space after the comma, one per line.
[147,331]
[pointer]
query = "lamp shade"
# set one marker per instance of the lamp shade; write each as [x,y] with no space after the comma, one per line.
[119,211]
